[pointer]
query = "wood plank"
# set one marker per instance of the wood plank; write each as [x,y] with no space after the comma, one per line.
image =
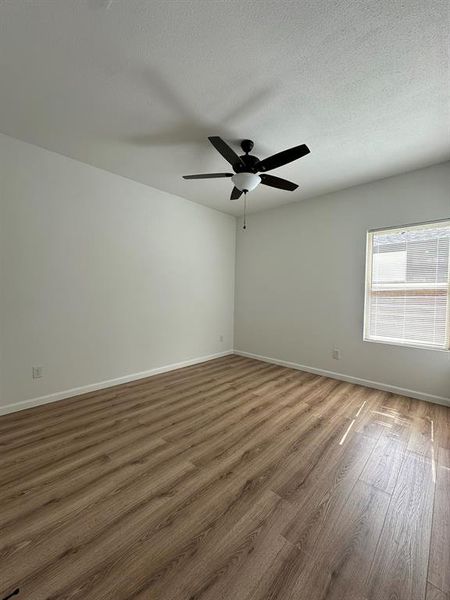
[342,556]
[245,577]
[253,541]
[326,491]
[421,437]
[384,464]
[441,426]
[439,563]
[400,565]
[335,567]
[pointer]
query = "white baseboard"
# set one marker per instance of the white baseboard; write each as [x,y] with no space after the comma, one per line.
[143,374]
[365,382]
[84,389]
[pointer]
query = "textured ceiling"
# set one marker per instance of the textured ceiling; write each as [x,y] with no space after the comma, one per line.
[136,86]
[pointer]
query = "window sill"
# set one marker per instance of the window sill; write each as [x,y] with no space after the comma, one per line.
[413,346]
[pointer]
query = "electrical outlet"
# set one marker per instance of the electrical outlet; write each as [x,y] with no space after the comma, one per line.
[336,354]
[220,338]
[37,372]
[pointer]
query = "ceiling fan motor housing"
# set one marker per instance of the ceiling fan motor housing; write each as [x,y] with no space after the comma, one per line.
[248,163]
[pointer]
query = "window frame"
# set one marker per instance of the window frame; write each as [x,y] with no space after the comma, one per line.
[368,280]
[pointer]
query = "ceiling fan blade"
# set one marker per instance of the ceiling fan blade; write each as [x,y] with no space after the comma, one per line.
[235,194]
[277,182]
[228,153]
[282,158]
[208,175]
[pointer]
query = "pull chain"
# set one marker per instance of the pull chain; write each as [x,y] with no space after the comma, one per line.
[245,211]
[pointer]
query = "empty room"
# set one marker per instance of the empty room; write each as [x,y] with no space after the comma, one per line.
[224,300]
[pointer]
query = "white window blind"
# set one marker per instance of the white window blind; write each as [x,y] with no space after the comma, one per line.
[407,286]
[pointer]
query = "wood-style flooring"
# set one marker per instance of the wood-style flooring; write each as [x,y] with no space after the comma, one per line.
[230,480]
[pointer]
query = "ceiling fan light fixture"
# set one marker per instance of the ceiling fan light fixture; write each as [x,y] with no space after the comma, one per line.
[246,182]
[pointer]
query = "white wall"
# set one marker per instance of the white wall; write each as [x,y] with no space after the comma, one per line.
[300,281]
[102,277]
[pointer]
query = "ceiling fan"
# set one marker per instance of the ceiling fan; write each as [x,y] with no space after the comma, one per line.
[247,167]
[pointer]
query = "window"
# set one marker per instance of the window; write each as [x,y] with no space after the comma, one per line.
[407,286]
